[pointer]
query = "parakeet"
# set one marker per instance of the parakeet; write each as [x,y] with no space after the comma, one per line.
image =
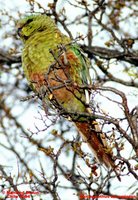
[55,67]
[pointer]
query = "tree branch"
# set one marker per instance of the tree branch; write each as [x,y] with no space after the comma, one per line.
[6,58]
[108,54]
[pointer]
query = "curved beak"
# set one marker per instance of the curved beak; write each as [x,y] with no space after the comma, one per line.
[19,30]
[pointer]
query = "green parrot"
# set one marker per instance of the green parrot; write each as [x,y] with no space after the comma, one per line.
[55,68]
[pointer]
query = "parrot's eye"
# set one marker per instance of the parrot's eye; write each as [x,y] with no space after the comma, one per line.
[29,21]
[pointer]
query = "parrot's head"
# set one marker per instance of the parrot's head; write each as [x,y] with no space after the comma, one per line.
[29,25]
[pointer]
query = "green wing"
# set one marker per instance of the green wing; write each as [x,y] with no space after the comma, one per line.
[85,64]
[83,69]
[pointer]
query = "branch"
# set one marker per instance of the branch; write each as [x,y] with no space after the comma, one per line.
[6,58]
[108,54]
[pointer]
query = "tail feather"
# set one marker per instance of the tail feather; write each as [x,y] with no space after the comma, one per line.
[96,140]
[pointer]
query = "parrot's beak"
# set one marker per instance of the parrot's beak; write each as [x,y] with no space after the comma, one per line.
[19,31]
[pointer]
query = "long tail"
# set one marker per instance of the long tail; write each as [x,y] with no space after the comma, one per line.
[96,140]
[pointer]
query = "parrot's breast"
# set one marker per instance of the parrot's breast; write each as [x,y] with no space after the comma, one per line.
[56,71]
